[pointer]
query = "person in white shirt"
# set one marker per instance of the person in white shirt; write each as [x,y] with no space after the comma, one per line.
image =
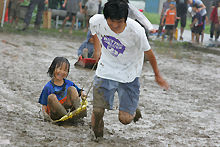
[120,44]
[91,8]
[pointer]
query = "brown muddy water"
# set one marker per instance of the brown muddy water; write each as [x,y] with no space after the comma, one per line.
[185,115]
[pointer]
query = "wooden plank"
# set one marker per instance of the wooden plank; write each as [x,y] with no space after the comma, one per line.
[47,19]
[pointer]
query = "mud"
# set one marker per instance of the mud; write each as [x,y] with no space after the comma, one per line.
[185,115]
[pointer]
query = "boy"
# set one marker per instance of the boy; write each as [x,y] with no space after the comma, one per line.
[165,7]
[15,11]
[170,16]
[197,22]
[72,9]
[202,9]
[91,8]
[120,44]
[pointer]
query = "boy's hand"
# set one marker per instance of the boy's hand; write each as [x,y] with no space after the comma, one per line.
[161,23]
[178,18]
[160,80]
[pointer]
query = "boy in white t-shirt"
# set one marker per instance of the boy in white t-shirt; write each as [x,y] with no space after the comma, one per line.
[120,44]
[91,8]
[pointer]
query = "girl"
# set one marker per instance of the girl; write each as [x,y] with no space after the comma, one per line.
[59,94]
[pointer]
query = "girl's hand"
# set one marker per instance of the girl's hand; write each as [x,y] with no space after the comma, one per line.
[47,118]
[83,94]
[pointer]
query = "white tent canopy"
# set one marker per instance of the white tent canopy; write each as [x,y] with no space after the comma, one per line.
[3,14]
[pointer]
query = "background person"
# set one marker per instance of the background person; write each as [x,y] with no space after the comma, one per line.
[59,94]
[87,47]
[40,8]
[165,7]
[181,10]
[15,11]
[73,6]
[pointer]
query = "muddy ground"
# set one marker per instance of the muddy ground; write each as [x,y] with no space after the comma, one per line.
[185,115]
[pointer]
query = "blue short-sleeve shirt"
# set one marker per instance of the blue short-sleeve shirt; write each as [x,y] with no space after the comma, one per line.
[50,89]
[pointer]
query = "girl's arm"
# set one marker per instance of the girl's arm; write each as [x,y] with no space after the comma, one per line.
[44,109]
[45,114]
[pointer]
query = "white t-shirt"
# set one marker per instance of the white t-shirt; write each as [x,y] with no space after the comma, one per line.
[92,7]
[134,13]
[122,53]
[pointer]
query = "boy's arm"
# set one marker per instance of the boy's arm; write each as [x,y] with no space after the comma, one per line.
[97,48]
[194,22]
[159,79]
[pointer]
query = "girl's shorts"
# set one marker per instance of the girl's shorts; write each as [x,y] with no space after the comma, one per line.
[104,90]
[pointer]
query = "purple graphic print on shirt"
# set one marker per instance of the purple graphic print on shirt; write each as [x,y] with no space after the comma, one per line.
[113,45]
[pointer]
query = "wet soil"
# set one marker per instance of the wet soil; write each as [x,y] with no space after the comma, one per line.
[185,115]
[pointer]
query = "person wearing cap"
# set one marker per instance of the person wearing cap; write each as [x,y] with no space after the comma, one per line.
[165,7]
[170,16]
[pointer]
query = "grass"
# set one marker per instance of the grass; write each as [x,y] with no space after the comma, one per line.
[155,19]
[43,31]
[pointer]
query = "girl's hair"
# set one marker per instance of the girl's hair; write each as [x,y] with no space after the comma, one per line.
[57,62]
[116,9]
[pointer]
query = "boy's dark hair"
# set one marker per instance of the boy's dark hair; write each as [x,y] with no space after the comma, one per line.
[57,62]
[116,9]
[195,5]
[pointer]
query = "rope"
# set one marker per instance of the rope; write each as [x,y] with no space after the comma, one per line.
[84,86]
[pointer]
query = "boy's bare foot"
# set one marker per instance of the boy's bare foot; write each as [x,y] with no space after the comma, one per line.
[137,115]
[60,30]
[70,31]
